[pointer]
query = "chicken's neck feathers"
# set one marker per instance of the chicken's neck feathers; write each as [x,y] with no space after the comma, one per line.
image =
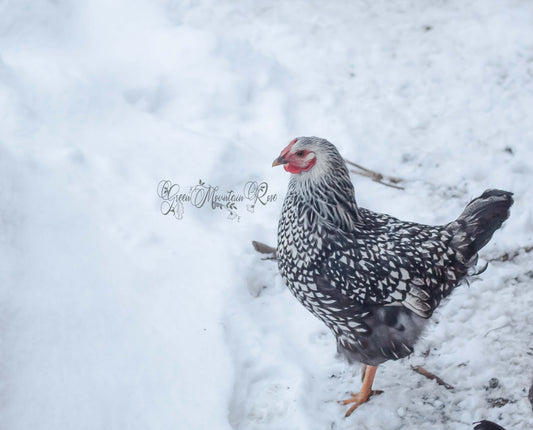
[329,194]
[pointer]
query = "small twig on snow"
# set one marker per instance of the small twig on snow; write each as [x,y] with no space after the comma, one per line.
[263,248]
[388,181]
[497,328]
[431,376]
[508,256]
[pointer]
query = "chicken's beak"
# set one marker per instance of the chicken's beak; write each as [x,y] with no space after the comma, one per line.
[279,161]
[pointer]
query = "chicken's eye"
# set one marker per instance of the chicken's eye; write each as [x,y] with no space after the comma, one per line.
[300,153]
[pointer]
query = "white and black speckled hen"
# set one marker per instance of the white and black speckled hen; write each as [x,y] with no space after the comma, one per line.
[372,279]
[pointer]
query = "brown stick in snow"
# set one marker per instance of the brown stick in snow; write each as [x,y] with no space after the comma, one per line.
[512,255]
[388,181]
[263,248]
[429,375]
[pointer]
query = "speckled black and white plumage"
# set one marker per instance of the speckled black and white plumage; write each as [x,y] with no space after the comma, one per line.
[371,278]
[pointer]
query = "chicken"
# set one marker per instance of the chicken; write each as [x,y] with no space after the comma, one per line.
[372,279]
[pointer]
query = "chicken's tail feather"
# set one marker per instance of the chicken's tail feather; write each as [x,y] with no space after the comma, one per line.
[478,222]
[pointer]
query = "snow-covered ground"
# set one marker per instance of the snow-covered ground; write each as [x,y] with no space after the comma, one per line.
[113,316]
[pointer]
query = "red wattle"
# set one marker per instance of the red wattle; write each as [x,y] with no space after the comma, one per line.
[292,168]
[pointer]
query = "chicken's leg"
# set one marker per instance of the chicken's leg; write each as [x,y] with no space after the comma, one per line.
[366,390]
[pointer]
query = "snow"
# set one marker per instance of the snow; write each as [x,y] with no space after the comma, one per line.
[114,316]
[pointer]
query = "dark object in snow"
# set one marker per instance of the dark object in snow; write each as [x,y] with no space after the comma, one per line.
[499,402]
[530,396]
[264,249]
[494,383]
[487,425]
[371,278]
